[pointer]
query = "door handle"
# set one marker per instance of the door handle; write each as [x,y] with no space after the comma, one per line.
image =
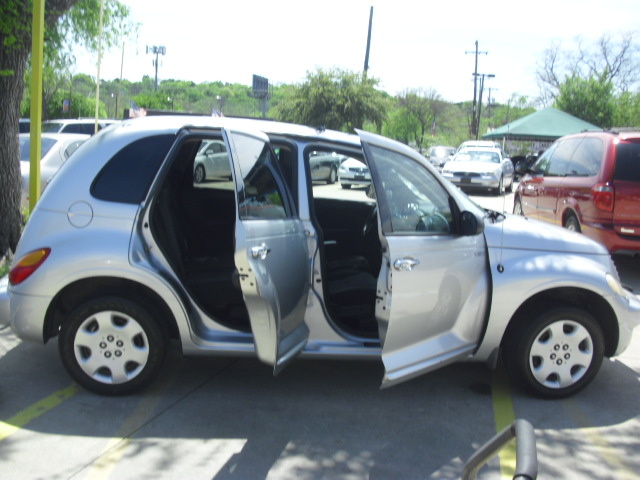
[260,251]
[405,264]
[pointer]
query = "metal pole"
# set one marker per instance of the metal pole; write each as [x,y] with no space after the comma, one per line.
[37,57]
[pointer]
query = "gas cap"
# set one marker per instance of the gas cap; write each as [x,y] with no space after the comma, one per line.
[80,214]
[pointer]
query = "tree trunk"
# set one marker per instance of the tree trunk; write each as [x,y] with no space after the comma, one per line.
[12,87]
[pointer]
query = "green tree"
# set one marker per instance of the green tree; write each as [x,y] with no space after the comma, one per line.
[590,99]
[336,99]
[627,110]
[75,21]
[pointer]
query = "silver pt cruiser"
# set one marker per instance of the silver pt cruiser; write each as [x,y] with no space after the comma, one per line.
[126,251]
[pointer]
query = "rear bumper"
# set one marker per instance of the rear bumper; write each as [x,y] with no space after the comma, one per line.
[612,240]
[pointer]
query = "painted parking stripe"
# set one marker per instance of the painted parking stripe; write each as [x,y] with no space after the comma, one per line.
[504,416]
[22,418]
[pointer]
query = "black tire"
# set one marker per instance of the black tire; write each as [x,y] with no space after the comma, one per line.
[333,176]
[517,207]
[200,174]
[556,354]
[112,346]
[572,223]
[500,189]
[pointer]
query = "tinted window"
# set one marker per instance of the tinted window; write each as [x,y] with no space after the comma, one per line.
[627,162]
[587,158]
[416,202]
[561,157]
[261,197]
[51,127]
[128,175]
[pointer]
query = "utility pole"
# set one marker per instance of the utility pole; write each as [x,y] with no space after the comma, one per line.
[366,56]
[474,119]
[482,77]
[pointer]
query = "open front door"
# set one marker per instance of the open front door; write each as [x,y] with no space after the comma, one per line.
[433,287]
[270,252]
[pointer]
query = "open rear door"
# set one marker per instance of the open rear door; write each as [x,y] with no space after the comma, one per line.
[270,252]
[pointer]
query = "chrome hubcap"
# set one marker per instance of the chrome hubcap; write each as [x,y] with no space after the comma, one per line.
[111,347]
[561,354]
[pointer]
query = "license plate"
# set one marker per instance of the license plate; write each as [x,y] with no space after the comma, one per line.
[359,177]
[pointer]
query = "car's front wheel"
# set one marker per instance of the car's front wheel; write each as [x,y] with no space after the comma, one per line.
[517,207]
[556,354]
[112,346]
[199,175]
[333,176]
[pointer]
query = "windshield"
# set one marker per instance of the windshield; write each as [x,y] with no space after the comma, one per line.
[25,153]
[51,127]
[477,156]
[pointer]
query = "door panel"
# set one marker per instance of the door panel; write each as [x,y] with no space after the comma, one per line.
[434,284]
[270,252]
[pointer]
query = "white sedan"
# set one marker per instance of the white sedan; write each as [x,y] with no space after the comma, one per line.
[480,168]
[56,149]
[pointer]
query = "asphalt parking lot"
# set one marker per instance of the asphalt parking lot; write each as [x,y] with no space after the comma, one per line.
[229,418]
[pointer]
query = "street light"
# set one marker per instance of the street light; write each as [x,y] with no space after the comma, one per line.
[161,50]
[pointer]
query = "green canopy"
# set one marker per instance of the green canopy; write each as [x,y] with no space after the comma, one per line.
[545,125]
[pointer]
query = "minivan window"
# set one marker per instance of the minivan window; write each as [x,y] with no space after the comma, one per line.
[627,162]
[127,176]
[587,158]
[561,157]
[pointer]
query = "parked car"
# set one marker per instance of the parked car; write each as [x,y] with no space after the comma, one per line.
[324,165]
[76,125]
[479,144]
[56,149]
[211,162]
[439,155]
[353,172]
[588,183]
[480,168]
[125,252]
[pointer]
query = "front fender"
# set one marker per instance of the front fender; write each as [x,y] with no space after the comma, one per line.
[519,275]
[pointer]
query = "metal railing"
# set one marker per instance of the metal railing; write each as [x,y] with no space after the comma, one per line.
[526,454]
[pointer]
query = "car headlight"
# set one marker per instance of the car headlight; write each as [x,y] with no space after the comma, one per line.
[615,285]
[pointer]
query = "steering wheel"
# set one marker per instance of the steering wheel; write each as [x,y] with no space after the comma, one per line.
[435,222]
[371,222]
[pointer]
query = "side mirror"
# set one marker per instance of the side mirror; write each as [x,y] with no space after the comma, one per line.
[470,225]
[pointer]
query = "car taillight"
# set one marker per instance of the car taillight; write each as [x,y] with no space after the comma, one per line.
[603,196]
[27,265]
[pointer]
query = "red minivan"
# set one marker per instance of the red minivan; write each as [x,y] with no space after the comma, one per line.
[588,182]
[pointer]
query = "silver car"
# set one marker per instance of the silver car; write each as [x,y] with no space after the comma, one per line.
[125,252]
[211,162]
[353,172]
[480,168]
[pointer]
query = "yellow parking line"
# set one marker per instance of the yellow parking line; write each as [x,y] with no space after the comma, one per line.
[22,418]
[504,416]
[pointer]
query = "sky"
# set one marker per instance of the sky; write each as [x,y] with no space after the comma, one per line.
[415,44]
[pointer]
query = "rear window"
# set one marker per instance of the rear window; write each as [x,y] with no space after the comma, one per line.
[127,176]
[627,162]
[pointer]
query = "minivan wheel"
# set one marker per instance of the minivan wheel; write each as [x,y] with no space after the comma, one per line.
[572,223]
[517,207]
[500,189]
[556,354]
[112,346]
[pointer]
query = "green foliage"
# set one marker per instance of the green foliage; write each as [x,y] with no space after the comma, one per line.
[627,110]
[335,99]
[590,99]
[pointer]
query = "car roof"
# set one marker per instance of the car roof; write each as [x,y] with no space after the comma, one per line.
[475,148]
[59,136]
[174,123]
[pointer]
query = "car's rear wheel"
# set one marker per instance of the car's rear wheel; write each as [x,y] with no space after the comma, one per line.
[112,346]
[500,189]
[556,354]
[572,223]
